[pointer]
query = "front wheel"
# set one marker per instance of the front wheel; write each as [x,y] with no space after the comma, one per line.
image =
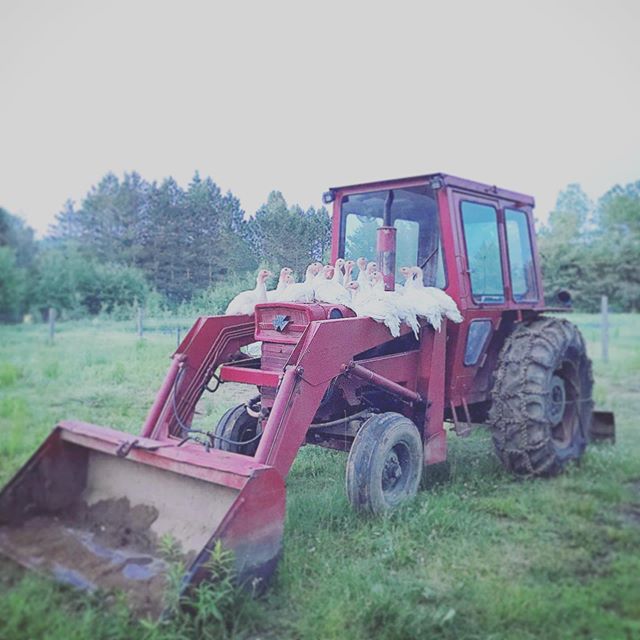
[237,431]
[384,467]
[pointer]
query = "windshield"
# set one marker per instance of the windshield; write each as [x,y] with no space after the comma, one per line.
[414,214]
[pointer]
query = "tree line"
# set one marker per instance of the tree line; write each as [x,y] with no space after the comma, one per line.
[130,240]
[593,248]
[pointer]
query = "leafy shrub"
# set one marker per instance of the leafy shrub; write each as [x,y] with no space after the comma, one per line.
[215,299]
[105,287]
[78,286]
[12,285]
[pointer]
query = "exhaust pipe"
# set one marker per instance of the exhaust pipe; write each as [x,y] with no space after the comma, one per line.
[386,246]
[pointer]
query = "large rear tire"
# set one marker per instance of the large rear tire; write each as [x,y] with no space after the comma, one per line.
[541,398]
[384,467]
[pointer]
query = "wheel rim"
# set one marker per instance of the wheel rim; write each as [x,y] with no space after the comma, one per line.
[558,400]
[395,471]
[564,399]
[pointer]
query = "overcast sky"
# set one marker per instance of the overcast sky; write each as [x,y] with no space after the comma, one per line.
[300,96]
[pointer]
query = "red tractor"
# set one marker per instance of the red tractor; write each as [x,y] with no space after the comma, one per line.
[324,377]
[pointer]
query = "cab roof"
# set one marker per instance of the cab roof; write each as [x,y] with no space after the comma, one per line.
[447,180]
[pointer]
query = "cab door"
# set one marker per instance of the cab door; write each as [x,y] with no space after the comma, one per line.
[479,221]
[483,289]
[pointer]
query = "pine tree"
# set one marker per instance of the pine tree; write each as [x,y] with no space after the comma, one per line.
[289,236]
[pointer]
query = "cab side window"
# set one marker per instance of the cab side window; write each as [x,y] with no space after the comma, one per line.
[480,225]
[523,277]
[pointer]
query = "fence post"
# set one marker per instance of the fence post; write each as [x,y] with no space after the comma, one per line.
[140,321]
[52,324]
[604,324]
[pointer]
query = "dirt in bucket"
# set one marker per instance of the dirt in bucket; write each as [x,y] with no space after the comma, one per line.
[107,545]
[117,524]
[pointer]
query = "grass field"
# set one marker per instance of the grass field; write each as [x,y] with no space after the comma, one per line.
[480,555]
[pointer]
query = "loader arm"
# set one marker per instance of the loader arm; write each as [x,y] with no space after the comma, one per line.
[210,342]
[323,353]
[93,504]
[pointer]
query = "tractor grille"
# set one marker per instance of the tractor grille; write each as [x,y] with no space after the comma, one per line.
[279,326]
[275,355]
[274,358]
[284,323]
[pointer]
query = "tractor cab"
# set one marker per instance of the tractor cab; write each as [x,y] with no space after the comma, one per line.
[472,240]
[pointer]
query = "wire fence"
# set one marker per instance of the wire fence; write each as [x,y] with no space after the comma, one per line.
[600,327]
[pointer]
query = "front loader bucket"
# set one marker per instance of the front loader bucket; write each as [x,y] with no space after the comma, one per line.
[603,426]
[96,512]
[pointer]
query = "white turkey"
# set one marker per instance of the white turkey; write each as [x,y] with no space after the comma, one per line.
[244,303]
[363,277]
[316,267]
[329,290]
[404,306]
[378,307]
[337,271]
[321,274]
[423,302]
[447,303]
[377,281]
[283,294]
[302,291]
[348,272]
[274,295]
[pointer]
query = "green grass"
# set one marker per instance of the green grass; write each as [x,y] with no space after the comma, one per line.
[479,555]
